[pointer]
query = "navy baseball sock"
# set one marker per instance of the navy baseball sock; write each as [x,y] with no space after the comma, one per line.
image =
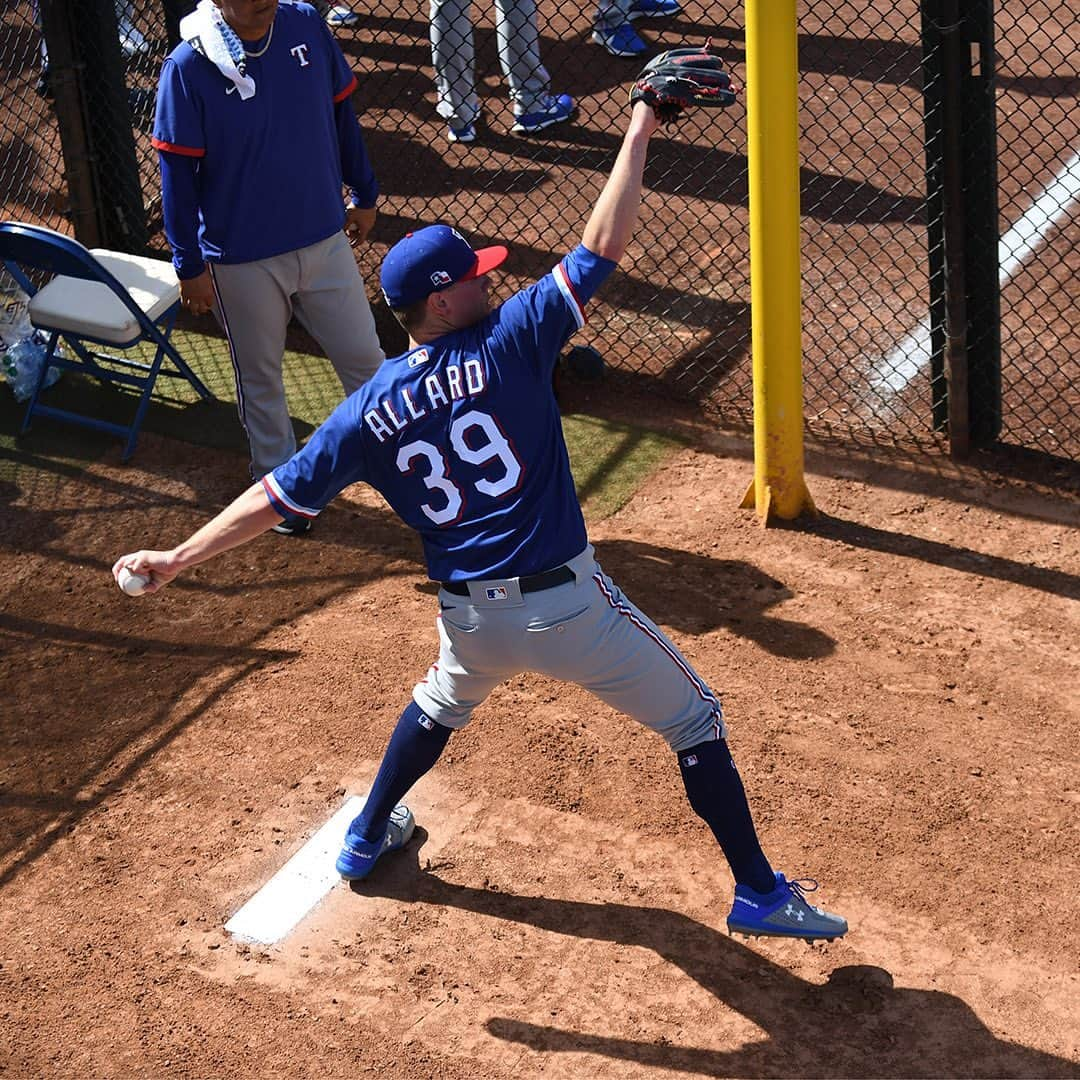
[414,747]
[716,794]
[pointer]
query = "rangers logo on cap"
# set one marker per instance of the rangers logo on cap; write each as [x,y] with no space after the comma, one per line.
[440,278]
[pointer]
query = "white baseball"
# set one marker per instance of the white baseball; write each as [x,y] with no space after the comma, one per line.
[133,584]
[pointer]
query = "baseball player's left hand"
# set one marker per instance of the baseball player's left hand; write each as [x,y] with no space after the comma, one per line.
[359,222]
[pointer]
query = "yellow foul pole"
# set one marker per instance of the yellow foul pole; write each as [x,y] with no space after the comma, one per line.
[772,69]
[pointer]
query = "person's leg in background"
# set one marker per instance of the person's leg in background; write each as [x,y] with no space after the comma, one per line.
[332,305]
[454,62]
[253,308]
[614,23]
[132,39]
[535,107]
[614,30]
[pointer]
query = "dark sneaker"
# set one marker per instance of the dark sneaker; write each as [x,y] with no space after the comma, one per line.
[654,9]
[341,16]
[293,525]
[358,856]
[783,912]
[553,110]
[464,134]
[620,40]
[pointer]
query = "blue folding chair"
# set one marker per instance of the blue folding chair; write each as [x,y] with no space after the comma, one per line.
[104,297]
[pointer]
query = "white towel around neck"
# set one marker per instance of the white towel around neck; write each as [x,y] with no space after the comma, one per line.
[207,32]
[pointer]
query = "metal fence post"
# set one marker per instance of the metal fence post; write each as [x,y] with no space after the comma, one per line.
[174,11]
[962,228]
[65,84]
[121,212]
[981,230]
[954,231]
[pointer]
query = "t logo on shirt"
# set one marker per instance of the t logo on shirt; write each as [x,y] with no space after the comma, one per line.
[300,52]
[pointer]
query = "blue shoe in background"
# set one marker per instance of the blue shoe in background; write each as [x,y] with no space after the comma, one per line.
[341,16]
[783,912]
[654,9]
[464,134]
[358,856]
[620,40]
[553,110]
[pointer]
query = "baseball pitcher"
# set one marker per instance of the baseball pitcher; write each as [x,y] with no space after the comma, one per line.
[462,436]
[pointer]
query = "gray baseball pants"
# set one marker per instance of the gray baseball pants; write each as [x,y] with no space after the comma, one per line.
[585,631]
[453,58]
[321,285]
[612,13]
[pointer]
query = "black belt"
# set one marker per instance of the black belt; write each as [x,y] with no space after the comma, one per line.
[530,583]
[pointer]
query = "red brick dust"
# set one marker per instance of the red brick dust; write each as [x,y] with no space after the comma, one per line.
[899,677]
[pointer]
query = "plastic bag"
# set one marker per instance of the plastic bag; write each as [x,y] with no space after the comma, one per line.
[15,323]
[23,347]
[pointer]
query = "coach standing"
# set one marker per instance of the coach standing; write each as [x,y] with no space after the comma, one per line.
[262,165]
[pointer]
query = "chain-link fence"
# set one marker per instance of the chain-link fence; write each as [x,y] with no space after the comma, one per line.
[874,111]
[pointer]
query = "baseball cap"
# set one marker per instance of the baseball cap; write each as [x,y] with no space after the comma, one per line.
[432,259]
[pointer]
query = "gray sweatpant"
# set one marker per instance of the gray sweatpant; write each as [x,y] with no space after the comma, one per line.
[612,13]
[254,301]
[453,58]
[586,632]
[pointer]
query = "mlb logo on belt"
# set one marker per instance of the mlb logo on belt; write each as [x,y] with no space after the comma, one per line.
[496,592]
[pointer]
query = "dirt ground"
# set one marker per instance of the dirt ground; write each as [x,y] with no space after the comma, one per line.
[899,677]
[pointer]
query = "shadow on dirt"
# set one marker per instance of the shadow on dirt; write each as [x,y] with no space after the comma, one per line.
[949,556]
[857,1024]
[696,594]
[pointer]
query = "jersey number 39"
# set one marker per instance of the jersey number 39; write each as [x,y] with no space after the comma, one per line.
[475,438]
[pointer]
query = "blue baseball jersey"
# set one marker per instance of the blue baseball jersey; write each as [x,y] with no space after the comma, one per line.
[246,180]
[462,437]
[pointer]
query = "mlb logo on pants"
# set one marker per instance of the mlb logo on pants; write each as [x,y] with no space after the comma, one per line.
[496,592]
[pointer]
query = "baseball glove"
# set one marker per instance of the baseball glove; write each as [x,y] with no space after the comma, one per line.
[680,78]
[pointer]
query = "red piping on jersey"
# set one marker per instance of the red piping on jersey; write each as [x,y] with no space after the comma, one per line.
[274,493]
[346,92]
[564,277]
[185,151]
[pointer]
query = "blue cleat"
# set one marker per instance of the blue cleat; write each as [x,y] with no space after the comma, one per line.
[554,109]
[654,9]
[341,16]
[783,912]
[621,40]
[358,856]
[466,134]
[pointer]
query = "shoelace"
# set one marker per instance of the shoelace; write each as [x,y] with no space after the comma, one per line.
[801,886]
